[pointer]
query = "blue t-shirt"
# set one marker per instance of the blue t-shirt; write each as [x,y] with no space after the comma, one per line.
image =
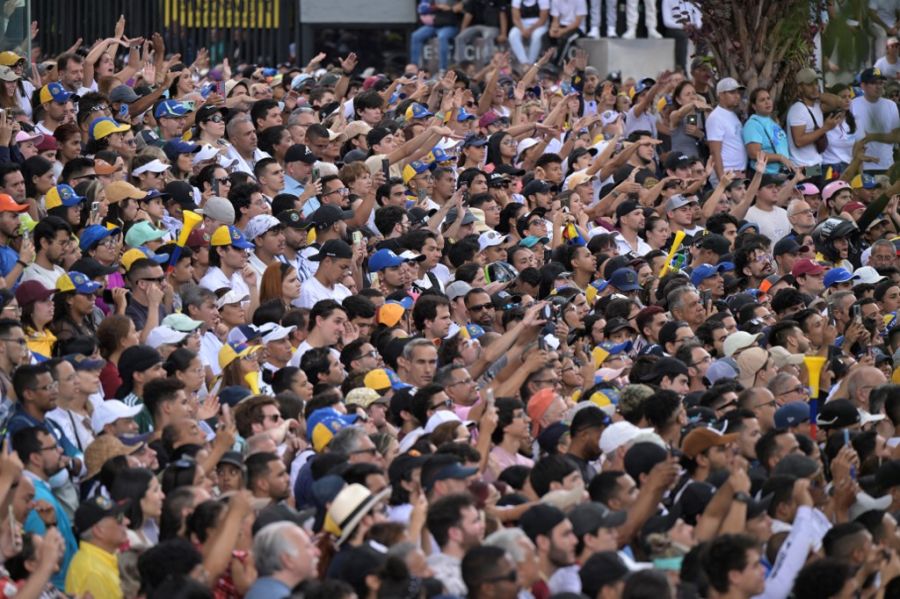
[8,259]
[764,131]
[34,524]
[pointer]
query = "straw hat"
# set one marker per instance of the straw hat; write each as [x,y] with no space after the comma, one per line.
[348,508]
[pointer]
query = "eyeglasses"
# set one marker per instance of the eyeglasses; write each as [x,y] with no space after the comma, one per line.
[509,141]
[704,360]
[53,447]
[342,190]
[481,307]
[51,387]
[153,279]
[442,404]
[88,177]
[368,354]
[223,181]
[510,576]
[216,118]
[249,357]
[21,341]
[534,222]
[798,389]
[371,451]
[272,417]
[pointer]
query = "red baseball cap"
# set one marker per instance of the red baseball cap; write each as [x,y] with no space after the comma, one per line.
[7,204]
[807,267]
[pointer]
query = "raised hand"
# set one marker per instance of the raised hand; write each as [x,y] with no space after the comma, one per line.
[349,64]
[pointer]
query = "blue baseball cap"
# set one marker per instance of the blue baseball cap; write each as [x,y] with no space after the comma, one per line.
[533,240]
[176,147]
[439,155]
[94,234]
[158,258]
[323,424]
[54,92]
[617,348]
[838,275]
[384,258]
[170,109]
[417,111]
[474,140]
[624,279]
[463,115]
[77,282]
[791,414]
[705,271]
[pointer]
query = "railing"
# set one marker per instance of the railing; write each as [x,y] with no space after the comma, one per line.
[245,31]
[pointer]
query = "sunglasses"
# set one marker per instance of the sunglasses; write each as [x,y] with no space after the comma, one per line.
[216,118]
[481,307]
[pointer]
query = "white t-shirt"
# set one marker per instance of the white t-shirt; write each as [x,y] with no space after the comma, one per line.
[840,145]
[209,351]
[887,69]
[312,290]
[724,125]
[47,278]
[305,347]
[799,114]
[773,224]
[876,117]
[567,10]
[215,279]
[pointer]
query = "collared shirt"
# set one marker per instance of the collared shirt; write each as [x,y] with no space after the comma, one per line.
[292,186]
[242,164]
[268,588]
[642,248]
[95,571]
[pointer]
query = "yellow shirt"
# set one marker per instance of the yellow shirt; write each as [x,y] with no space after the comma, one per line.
[40,343]
[94,571]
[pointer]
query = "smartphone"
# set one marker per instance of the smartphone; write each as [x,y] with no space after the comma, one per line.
[856,312]
[691,119]
[357,237]
[95,206]
[489,397]
[705,296]
[386,168]
[374,280]
[315,174]
[846,437]
[215,186]
[207,89]
[26,234]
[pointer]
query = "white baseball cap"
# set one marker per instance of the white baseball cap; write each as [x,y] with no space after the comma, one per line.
[272,331]
[618,434]
[739,340]
[491,238]
[867,276]
[164,335]
[154,166]
[111,410]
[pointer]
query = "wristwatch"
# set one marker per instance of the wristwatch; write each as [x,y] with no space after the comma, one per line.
[743,497]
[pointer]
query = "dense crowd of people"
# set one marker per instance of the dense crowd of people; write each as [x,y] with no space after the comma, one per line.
[510,332]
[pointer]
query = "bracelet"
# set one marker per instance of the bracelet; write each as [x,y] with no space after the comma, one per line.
[22,263]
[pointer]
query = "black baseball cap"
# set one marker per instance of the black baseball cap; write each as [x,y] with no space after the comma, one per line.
[300,153]
[95,509]
[536,186]
[443,467]
[837,413]
[676,160]
[293,219]
[588,517]
[327,215]
[333,248]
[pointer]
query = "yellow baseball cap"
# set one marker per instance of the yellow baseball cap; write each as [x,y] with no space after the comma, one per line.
[9,59]
[105,126]
[123,190]
[233,351]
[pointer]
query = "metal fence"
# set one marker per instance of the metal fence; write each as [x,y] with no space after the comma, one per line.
[245,31]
